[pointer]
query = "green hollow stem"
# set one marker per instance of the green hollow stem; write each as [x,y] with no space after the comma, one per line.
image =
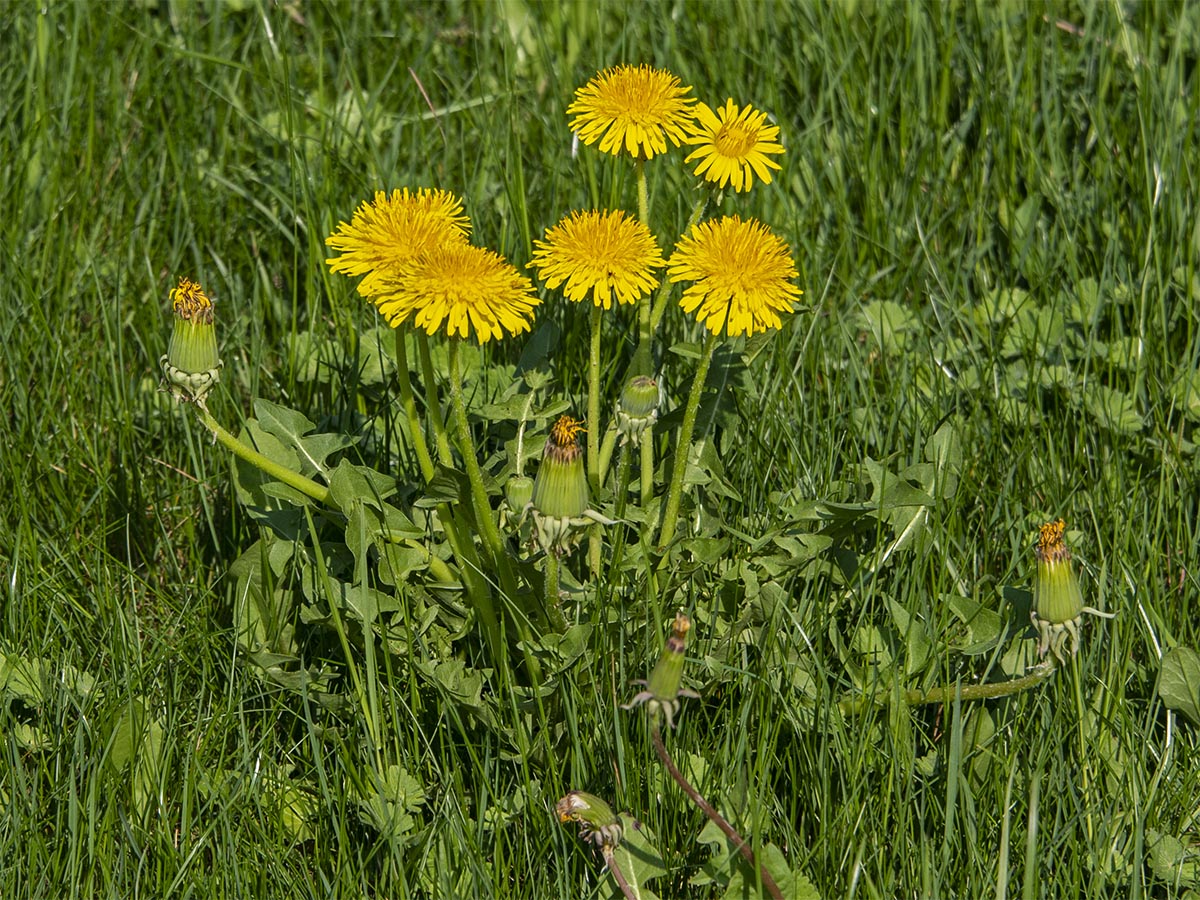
[643,363]
[409,405]
[433,404]
[664,290]
[946,693]
[606,452]
[646,459]
[742,845]
[1084,756]
[306,486]
[683,447]
[593,435]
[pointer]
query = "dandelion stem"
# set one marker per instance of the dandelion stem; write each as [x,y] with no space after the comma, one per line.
[664,289]
[946,693]
[709,810]
[432,403]
[683,447]
[415,428]
[553,600]
[593,436]
[1084,756]
[306,486]
[643,363]
[610,860]
[646,459]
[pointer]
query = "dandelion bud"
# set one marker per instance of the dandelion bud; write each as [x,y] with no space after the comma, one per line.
[191,364]
[518,491]
[597,822]
[663,690]
[637,410]
[1058,601]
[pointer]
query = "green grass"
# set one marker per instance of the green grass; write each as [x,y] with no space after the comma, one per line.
[994,216]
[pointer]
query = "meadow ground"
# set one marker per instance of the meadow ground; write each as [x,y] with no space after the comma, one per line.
[992,210]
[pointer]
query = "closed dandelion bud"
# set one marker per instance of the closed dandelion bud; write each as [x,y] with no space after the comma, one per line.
[637,410]
[518,491]
[1057,599]
[664,688]
[561,489]
[597,822]
[191,364]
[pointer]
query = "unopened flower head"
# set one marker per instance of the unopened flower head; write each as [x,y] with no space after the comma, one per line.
[597,822]
[1058,601]
[734,145]
[464,290]
[191,364]
[741,276]
[388,233]
[664,688]
[601,254]
[637,409]
[560,490]
[632,109]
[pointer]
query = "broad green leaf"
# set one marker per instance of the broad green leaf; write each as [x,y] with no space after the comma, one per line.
[387,803]
[983,625]
[350,484]
[1112,409]
[1172,860]
[1179,682]
[889,323]
[917,639]
[637,859]
[1186,393]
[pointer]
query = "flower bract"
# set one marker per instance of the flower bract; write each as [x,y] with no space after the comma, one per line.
[601,254]
[734,145]
[191,365]
[462,289]
[632,109]
[388,233]
[741,272]
[1057,600]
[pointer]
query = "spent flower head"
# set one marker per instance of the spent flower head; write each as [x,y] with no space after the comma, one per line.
[1058,601]
[741,275]
[632,109]
[560,490]
[597,822]
[191,364]
[388,233]
[604,254]
[664,689]
[462,289]
[734,145]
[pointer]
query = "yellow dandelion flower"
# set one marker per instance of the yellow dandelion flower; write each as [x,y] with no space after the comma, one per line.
[601,253]
[464,288]
[733,145]
[742,275]
[634,109]
[388,233]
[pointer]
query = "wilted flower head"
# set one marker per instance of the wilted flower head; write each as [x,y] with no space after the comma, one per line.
[1058,602]
[632,109]
[664,689]
[560,490]
[597,822]
[191,364]
[741,273]
[734,145]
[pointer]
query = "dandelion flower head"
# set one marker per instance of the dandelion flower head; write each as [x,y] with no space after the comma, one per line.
[633,109]
[388,233]
[604,254]
[741,276]
[733,145]
[465,289]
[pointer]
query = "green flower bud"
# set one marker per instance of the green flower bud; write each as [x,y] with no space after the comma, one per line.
[663,690]
[637,410]
[191,364]
[518,491]
[597,822]
[1057,599]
